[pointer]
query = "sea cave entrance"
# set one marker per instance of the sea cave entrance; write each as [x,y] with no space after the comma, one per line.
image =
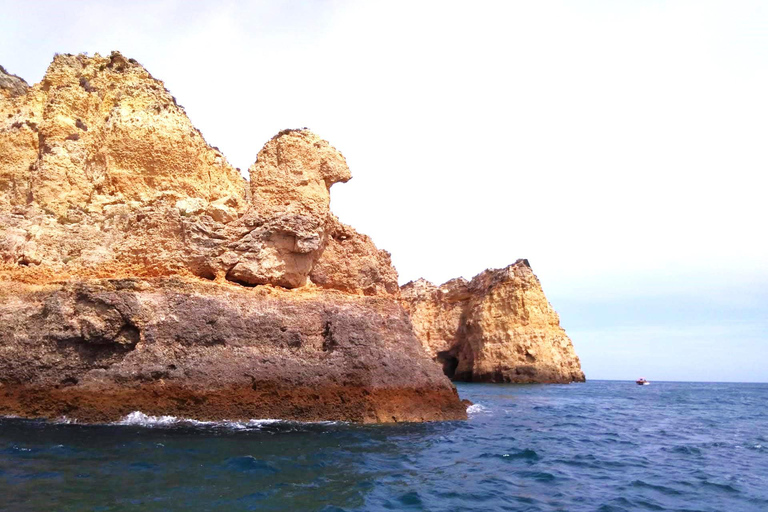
[449,362]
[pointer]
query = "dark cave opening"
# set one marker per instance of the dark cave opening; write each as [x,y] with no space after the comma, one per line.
[449,362]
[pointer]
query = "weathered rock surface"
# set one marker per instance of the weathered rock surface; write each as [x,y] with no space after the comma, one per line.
[290,192]
[98,350]
[140,271]
[97,131]
[11,85]
[351,262]
[499,327]
[103,175]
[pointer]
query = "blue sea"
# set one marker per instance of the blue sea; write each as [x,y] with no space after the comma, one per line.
[599,446]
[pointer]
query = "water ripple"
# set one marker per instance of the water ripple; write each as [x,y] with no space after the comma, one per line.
[605,446]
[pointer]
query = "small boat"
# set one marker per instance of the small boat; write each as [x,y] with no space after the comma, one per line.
[642,382]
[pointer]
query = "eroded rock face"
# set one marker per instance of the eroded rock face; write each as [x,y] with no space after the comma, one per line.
[290,195]
[98,350]
[103,175]
[499,327]
[100,130]
[11,85]
[140,271]
[351,262]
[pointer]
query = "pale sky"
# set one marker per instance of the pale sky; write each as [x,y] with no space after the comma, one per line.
[620,146]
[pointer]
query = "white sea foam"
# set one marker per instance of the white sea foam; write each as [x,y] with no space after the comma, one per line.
[477,409]
[144,420]
[138,418]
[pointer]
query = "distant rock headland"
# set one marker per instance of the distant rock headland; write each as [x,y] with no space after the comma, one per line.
[499,327]
[140,271]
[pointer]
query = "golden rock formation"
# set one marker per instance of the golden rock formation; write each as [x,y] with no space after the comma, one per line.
[131,251]
[102,174]
[290,209]
[499,327]
[350,262]
[140,271]
[100,131]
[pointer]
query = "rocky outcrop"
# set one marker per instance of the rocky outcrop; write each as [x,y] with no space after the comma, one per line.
[499,327]
[102,175]
[11,85]
[96,351]
[351,262]
[290,192]
[140,271]
[101,131]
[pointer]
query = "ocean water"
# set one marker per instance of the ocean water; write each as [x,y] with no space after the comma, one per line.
[599,446]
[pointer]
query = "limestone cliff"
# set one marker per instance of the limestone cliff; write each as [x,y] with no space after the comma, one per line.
[102,174]
[139,270]
[499,327]
[100,131]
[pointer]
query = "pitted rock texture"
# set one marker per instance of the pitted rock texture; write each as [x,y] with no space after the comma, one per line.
[103,175]
[140,271]
[350,262]
[290,193]
[499,327]
[100,130]
[96,351]
[11,85]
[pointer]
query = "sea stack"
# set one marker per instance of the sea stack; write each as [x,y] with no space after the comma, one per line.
[140,272]
[498,327]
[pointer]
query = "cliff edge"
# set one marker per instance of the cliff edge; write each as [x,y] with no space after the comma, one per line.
[140,271]
[498,327]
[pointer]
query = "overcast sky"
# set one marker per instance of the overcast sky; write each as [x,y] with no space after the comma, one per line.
[620,146]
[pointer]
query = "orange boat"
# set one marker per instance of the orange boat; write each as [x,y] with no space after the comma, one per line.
[642,382]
